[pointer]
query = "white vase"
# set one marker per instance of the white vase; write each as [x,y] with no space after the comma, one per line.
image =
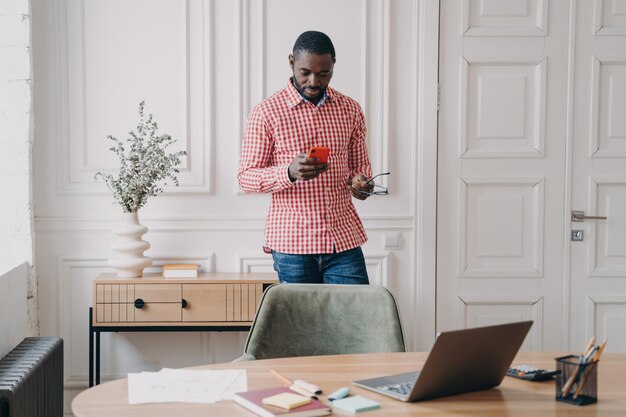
[129,247]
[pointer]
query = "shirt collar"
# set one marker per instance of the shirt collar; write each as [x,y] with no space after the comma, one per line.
[296,98]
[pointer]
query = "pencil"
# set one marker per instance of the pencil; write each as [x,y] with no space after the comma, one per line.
[281,378]
[570,382]
[583,379]
[589,345]
[600,350]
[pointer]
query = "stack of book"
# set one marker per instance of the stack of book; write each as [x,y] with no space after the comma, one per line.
[180,271]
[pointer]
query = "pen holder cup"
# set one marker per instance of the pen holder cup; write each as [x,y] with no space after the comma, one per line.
[577,383]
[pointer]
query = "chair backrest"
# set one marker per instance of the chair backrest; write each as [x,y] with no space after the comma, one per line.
[323,319]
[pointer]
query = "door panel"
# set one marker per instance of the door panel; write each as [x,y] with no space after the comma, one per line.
[598,263]
[505,17]
[500,233]
[501,166]
[504,107]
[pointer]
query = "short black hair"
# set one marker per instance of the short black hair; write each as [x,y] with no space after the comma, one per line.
[314,42]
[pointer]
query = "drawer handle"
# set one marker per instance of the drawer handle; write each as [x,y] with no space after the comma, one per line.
[183,303]
[139,303]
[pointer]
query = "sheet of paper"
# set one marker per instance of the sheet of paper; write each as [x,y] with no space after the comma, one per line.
[223,382]
[185,385]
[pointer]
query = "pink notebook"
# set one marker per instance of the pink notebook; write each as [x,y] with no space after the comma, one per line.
[252,400]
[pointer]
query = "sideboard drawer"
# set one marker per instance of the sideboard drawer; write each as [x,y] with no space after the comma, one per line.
[158,293]
[158,312]
[205,302]
[228,302]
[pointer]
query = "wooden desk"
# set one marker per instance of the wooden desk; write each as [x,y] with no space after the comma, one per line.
[512,398]
[212,302]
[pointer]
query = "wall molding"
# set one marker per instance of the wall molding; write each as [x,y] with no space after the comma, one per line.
[381,145]
[64,270]
[248,261]
[380,262]
[243,58]
[197,223]
[201,125]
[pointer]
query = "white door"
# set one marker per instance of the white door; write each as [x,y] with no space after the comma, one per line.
[501,165]
[598,262]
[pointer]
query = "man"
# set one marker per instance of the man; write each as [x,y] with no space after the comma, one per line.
[312,228]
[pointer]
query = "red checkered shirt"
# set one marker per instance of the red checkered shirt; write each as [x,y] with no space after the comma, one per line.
[315,216]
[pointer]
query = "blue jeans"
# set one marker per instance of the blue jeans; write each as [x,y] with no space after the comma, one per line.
[346,267]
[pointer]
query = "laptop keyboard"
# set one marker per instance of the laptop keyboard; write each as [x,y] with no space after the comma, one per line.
[403,389]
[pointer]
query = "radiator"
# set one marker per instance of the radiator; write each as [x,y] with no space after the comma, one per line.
[31,379]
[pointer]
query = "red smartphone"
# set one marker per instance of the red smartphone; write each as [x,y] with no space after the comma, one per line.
[320,152]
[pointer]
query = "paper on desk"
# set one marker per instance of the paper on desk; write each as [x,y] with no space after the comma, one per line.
[185,385]
[223,382]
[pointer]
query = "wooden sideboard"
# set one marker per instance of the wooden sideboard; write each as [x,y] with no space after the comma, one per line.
[152,303]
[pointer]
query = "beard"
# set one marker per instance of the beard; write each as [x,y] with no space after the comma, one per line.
[302,93]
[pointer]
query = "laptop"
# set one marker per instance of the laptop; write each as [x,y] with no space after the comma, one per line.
[460,361]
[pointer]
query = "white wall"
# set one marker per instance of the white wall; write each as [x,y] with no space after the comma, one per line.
[16,214]
[200,65]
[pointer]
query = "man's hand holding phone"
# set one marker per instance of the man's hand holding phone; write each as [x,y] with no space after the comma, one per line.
[306,167]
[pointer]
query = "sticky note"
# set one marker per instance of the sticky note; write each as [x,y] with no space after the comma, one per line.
[355,404]
[286,400]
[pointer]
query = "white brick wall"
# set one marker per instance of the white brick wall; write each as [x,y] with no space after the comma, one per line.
[16,133]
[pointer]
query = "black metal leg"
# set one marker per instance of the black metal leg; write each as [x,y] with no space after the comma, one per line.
[97,357]
[90,347]
[94,332]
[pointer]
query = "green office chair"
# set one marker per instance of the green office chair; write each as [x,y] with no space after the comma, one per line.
[323,319]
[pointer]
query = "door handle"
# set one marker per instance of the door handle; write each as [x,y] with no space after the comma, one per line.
[579,216]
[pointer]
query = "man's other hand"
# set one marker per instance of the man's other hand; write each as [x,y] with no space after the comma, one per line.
[360,188]
[304,168]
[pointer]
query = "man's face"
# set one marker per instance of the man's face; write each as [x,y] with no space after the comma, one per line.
[311,73]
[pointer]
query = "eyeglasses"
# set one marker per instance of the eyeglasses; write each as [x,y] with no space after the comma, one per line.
[378,189]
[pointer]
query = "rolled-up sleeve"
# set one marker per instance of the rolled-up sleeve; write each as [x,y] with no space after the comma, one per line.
[256,174]
[358,159]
